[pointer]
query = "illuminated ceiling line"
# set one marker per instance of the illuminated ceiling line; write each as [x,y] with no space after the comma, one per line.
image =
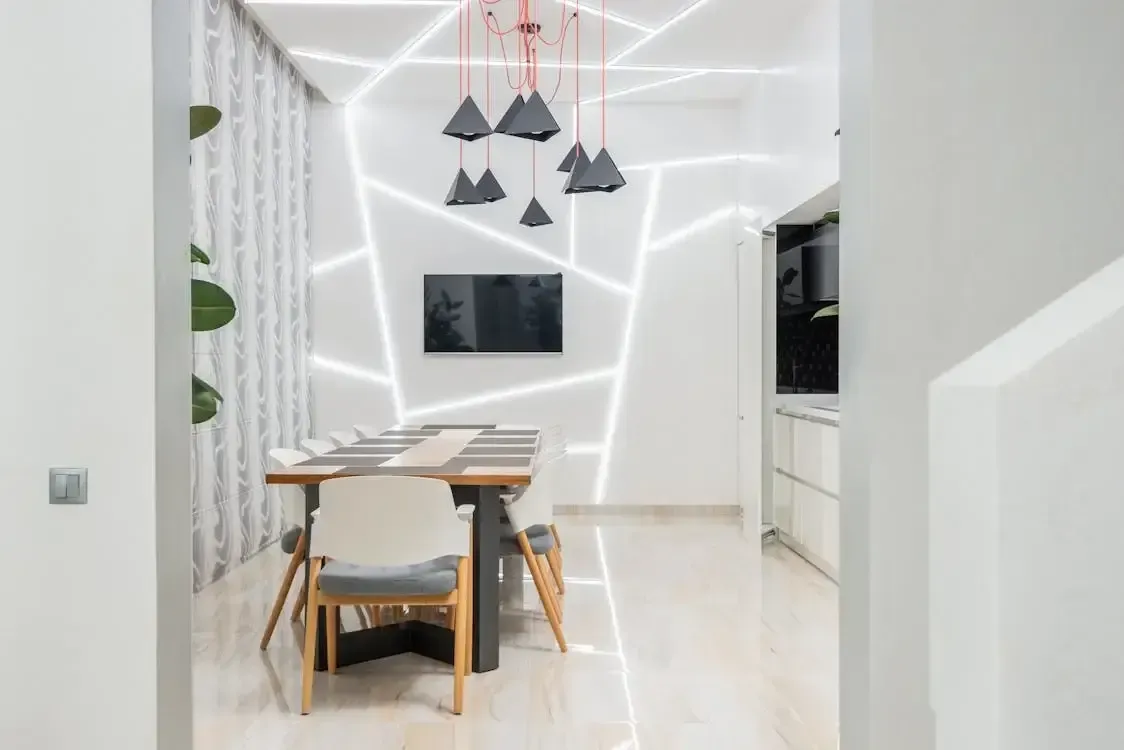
[613,17]
[332,57]
[375,267]
[338,261]
[700,161]
[481,62]
[512,242]
[657,31]
[528,389]
[404,54]
[617,394]
[642,87]
[367,3]
[698,225]
[351,371]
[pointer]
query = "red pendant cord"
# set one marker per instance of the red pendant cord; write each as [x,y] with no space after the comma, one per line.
[577,86]
[460,76]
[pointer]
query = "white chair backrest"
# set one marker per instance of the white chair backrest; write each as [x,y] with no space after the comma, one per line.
[552,443]
[343,437]
[317,447]
[292,495]
[535,505]
[366,431]
[388,521]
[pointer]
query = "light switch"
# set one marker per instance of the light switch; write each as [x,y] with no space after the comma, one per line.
[68,486]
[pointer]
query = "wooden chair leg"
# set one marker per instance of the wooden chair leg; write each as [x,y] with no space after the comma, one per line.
[298,605]
[460,630]
[376,615]
[557,538]
[554,559]
[470,611]
[295,561]
[451,617]
[309,663]
[544,592]
[548,579]
[332,624]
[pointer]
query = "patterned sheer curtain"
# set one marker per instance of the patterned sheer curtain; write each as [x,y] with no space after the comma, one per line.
[250,193]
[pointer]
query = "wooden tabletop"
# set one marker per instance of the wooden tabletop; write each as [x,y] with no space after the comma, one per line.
[474,454]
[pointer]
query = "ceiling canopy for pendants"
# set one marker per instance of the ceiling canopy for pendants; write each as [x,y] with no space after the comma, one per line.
[528,117]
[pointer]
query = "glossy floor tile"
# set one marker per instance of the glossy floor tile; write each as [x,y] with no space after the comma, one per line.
[681,636]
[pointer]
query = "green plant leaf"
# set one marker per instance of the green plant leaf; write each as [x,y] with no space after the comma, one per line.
[198,256]
[205,400]
[204,119]
[832,217]
[831,311]
[211,306]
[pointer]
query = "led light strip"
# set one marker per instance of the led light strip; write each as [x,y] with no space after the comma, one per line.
[523,390]
[626,344]
[404,54]
[355,62]
[351,371]
[611,17]
[642,87]
[696,226]
[370,3]
[585,449]
[482,229]
[699,161]
[340,260]
[658,30]
[375,268]
[479,63]
[616,624]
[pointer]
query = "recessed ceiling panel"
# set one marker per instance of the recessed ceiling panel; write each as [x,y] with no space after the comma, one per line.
[374,32]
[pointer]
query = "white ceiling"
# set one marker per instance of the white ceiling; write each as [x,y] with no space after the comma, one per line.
[341,46]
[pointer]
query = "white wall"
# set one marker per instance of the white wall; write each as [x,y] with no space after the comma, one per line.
[96,634]
[791,115]
[988,134]
[673,341]
[1026,623]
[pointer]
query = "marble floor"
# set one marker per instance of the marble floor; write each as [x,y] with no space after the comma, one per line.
[681,636]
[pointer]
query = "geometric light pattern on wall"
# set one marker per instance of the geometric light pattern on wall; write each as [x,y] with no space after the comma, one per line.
[617,374]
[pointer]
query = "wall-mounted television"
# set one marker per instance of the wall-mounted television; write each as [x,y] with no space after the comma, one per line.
[493,313]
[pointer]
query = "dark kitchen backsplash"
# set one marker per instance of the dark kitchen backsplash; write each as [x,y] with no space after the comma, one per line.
[807,354]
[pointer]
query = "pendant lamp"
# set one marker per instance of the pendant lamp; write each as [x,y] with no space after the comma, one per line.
[463,192]
[571,155]
[512,110]
[489,187]
[535,215]
[534,121]
[468,123]
[602,175]
[577,171]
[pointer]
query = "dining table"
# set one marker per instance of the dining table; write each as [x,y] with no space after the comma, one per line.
[478,461]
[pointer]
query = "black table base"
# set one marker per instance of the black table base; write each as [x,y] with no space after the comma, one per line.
[424,638]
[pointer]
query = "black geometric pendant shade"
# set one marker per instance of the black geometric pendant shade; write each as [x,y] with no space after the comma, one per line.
[512,110]
[463,192]
[577,171]
[535,215]
[534,121]
[571,155]
[602,176]
[489,187]
[468,123]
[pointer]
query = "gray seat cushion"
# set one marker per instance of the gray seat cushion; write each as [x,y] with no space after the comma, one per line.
[289,540]
[540,543]
[507,531]
[432,577]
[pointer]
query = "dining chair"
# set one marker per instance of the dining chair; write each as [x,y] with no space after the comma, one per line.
[530,514]
[387,541]
[367,432]
[292,540]
[552,445]
[343,437]
[317,447]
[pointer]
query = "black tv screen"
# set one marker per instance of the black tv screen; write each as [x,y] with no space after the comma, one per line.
[493,313]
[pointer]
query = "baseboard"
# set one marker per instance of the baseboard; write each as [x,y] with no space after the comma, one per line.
[817,562]
[657,511]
